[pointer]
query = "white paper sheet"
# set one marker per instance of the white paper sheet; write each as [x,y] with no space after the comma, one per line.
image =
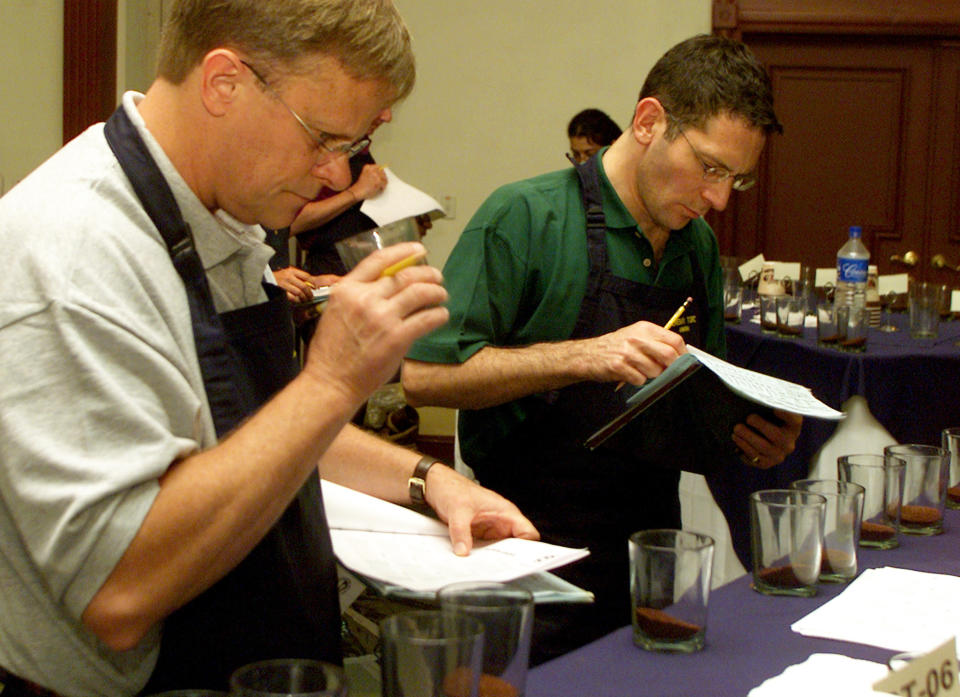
[825,276]
[896,609]
[397,201]
[896,282]
[786,269]
[751,268]
[766,389]
[824,675]
[391,543]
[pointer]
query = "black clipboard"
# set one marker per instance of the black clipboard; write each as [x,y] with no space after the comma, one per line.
[682,419]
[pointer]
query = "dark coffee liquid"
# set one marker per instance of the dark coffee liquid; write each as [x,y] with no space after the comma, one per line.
[919,515]
[791,331]
[660,625]
[832,339]
[854,343]
[781,576]
[457,684]
[876,532]
[835,561]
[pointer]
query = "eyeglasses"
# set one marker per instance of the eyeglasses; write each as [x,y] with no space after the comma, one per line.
[320,138]
[715,175]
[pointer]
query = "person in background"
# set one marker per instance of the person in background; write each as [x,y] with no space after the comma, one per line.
[589,131]
[548,314]
[161,522]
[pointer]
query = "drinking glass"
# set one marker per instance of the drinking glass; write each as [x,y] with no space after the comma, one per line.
[670,574]
[768,313]
[950,441]
[291,677]
[924,487]
[827,325]
[882,480]
[786,541]
[431,653]
[852,326]
[732,301]
[924,304]
[355,249]
[841,526]
[506,613]
[790,316]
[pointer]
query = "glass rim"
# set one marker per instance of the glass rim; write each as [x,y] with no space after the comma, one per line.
[760,497]
[334,675]
[390,626]
[901,450]
[839,484]
[511,595]
[691,539]
[878,460]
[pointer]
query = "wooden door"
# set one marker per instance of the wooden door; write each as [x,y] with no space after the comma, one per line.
[868,94]
[943,200]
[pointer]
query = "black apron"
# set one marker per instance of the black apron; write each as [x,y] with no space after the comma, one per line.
[578,497]
[281,600]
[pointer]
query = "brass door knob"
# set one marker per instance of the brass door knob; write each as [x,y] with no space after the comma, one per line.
[940,262]
[908,259]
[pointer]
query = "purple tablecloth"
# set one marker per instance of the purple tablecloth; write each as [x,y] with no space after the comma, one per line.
[748,638]
[911,386]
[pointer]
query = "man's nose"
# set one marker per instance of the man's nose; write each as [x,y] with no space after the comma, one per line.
[335,172]
[718,194]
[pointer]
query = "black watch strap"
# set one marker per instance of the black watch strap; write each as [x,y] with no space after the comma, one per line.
[418,480]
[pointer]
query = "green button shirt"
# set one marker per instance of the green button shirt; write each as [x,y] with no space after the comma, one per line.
[518,274]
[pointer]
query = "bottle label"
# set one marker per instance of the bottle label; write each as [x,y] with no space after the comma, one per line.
[852,270]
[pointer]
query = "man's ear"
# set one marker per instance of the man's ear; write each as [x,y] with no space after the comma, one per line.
[220,80]
[648,113]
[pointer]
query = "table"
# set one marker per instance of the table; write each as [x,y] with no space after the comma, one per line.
[912,387]
[748,638]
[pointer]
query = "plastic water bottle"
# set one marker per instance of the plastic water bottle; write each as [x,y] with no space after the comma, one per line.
[852,261]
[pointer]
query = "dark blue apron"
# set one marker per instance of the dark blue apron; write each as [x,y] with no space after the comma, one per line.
[584,498]
[281,600]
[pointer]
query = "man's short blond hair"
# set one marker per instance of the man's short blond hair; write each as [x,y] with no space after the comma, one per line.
[368,37]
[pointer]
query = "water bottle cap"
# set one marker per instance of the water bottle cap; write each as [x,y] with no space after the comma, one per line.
[856,231]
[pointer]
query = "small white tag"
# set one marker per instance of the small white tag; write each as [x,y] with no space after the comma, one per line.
[932,674]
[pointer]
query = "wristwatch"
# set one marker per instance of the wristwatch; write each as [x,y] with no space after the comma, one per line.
[418,480]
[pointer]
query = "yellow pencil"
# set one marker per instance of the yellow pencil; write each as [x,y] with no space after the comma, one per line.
[668,325]
[676,315]
[403,263]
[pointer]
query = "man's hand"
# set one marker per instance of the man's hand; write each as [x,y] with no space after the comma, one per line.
[471,511]
[372,181]
[633,353]
[765,444]
[296,282]
[370,321]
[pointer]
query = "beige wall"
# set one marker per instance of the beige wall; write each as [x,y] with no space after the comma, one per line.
[497,82]
[31,87]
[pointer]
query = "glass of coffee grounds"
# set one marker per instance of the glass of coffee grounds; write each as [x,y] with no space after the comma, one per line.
[786,540]
[924,487]
[670,573]
[841,526]
[882,480]
[951,443]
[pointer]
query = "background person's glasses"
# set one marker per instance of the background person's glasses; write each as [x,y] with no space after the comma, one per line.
[715,174]
[320,139]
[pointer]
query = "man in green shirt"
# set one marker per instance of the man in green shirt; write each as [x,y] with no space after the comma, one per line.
[560,286]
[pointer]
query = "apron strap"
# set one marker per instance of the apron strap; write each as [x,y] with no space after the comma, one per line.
[217,364]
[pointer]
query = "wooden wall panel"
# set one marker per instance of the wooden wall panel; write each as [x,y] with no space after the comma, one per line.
[89,63]
[869,94]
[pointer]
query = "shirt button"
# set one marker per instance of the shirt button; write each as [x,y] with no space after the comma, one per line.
[647,262]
